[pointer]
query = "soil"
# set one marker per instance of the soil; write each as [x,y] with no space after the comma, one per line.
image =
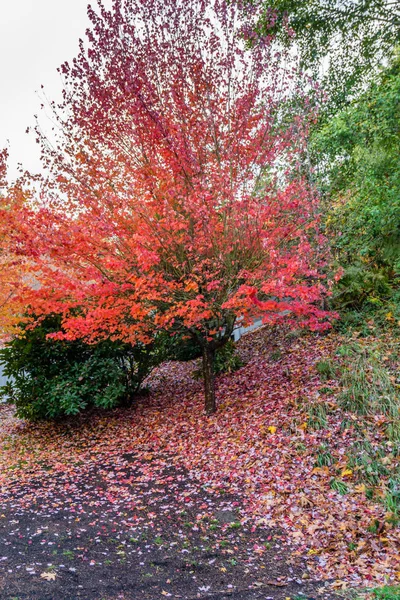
[138,529]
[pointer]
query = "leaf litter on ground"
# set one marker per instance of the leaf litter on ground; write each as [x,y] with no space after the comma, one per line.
[259,457]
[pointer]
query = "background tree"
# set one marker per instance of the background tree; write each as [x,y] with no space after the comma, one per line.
[341,41]
[175,204]
[14,265]
[350,47]
[358,170]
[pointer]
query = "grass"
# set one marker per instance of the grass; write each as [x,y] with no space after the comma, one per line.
[275,355]
[367,372]
[392,496]
[370,389]
[387,592]
[326,369]
[324,457]
[369,386]
[368,461]
[317,415]
[339,486]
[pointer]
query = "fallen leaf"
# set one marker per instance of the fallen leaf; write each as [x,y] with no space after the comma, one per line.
[277,583]
[347,472]
[48,576]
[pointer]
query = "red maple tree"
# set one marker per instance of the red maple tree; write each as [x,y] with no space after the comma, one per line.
[177,203]
[15,263]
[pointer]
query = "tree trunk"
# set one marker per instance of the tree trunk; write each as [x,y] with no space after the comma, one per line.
[209,385]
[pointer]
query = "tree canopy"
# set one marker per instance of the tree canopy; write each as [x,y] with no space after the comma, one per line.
[358,169]
[344,40]
[177,203]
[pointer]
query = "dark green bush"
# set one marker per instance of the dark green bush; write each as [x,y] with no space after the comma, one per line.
[227,359]
[52,378]
[360,285]
[178,347]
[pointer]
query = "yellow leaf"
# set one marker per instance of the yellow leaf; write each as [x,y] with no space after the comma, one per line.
[303,426]
[360,489]
[223,569]
[272,429]
[347,472]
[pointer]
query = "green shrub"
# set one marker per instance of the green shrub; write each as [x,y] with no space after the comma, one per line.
[52,378]
[177,347]
[227,359]
[359,285]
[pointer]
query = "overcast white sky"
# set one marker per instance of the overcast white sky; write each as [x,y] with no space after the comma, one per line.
[36,37]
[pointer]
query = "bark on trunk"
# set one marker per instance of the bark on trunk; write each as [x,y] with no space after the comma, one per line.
[209,385]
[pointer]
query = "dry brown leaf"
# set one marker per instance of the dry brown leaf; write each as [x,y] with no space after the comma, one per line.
[48,576]
[277,583]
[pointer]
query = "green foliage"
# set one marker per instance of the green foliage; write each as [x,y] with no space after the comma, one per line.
[361,284]
[349,37]
[227,359]
[357,154]
[178,347]
[185,349]
[51,378]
